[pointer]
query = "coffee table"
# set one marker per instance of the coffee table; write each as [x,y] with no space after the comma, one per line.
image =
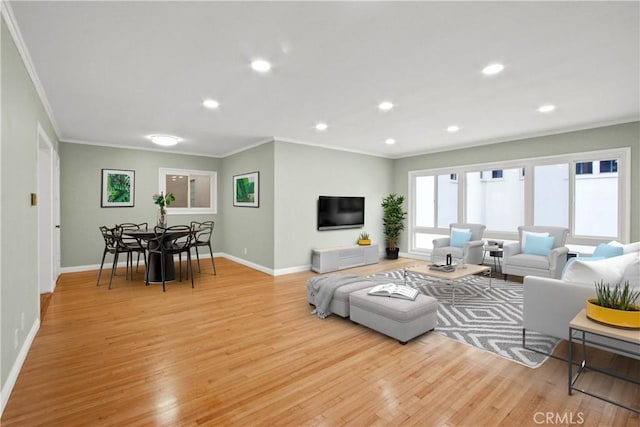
[459,276]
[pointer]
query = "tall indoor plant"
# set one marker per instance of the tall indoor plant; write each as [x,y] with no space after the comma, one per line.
[393,217]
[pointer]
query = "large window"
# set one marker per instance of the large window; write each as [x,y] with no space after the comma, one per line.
[195,191]
[588,193]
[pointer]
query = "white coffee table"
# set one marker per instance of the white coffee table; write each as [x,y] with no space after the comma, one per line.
[459,276]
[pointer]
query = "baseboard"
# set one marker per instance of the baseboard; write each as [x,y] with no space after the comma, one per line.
[250,264]
[7,387]
[290,270]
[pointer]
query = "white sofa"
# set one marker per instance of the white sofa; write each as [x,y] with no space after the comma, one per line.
[550,304]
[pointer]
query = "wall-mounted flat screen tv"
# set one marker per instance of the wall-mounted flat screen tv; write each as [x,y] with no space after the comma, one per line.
[335,212]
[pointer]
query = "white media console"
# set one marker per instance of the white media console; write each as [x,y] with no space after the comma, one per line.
[332,259]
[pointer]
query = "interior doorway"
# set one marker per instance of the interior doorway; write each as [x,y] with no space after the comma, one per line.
[47,204]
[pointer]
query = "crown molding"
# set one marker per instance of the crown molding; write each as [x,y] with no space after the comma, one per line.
[14,30]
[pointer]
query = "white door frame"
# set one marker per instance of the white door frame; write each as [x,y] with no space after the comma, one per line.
[47,197]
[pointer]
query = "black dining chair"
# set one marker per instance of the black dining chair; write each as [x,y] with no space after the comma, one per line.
[203,232]
[170,241]
[113,244]
[134,244]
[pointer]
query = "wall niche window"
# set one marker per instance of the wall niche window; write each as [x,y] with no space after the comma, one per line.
[195,191]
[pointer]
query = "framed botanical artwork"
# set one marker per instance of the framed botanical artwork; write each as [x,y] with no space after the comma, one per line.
[246,190]
[118,188]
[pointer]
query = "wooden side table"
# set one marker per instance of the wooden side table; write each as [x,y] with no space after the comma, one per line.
[582,329]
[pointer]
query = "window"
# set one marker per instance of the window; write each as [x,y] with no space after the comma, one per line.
[195,191]
[608,166]
[588,193]
[435,205]
[551,195]
[497,204]
[596,201]
[584,168]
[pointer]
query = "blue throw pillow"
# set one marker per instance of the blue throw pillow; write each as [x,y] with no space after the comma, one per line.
[607,251]
[460,238]
[538,245]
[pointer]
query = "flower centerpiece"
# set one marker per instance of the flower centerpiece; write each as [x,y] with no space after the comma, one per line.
[162,201]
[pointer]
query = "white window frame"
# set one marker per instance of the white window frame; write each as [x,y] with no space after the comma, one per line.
[622,155]
[213,188]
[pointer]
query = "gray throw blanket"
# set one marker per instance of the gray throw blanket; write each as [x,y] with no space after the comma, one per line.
[321,291]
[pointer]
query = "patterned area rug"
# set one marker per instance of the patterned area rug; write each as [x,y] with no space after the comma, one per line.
[487,319]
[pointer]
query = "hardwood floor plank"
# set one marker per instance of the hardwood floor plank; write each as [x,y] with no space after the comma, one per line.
[242,348]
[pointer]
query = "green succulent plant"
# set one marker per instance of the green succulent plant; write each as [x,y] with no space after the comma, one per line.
[618,297]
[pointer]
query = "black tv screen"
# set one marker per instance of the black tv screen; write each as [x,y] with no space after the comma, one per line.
[336,212]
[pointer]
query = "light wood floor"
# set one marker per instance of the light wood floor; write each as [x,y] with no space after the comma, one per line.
[242,348]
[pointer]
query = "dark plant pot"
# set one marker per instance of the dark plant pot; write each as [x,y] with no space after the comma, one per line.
[392,253]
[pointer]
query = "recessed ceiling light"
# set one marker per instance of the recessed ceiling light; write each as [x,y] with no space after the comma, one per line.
[547,108]
[389,141]
[164,140]
[492,69]
[453,129]
[321,126]
[385,106]
[261,66]
[211,103]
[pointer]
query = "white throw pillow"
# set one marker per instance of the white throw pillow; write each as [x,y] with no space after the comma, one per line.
[530,233]
[632,272]
[631,247]
[610,270]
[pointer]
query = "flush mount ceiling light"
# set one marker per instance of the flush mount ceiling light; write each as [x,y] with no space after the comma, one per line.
[389,141]
[261,66]
[547,108]
[211,103]
[164,140]
[321,126]
[492,69]
[453,129]
[385,106]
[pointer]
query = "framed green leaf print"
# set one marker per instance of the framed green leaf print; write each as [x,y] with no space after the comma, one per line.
[118,188]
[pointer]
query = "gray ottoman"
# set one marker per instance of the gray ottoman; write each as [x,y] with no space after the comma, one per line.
[340,302]
[398,318]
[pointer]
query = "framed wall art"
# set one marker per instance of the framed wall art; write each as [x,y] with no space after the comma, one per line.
[246,190]
[118,188]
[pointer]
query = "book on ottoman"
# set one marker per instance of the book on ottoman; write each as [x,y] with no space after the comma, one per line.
[394,291]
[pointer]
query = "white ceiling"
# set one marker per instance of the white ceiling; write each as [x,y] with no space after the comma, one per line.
[114,72]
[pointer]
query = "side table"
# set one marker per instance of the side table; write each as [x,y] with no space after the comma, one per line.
[581,329]
[495,252]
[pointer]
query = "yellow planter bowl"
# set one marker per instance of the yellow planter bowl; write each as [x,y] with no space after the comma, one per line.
[364,242]
[609,316]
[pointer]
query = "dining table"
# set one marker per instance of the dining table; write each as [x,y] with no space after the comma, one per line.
[154,263]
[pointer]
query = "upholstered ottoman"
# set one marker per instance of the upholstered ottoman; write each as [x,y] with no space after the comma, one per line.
[340,301]
[398,318]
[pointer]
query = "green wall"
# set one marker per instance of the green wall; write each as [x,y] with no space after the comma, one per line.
[80,182]
[624,135]
[21,113]
[305,172]
[250,228]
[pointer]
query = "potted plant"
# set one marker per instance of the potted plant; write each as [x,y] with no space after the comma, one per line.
[615,305]
[364,240]
[393,217]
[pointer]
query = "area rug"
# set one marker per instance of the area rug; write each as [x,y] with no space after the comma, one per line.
[488,319]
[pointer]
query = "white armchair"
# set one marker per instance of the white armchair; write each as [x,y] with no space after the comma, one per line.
[520,262]
[471,252]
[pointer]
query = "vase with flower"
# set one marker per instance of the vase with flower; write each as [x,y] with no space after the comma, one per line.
[162,201]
